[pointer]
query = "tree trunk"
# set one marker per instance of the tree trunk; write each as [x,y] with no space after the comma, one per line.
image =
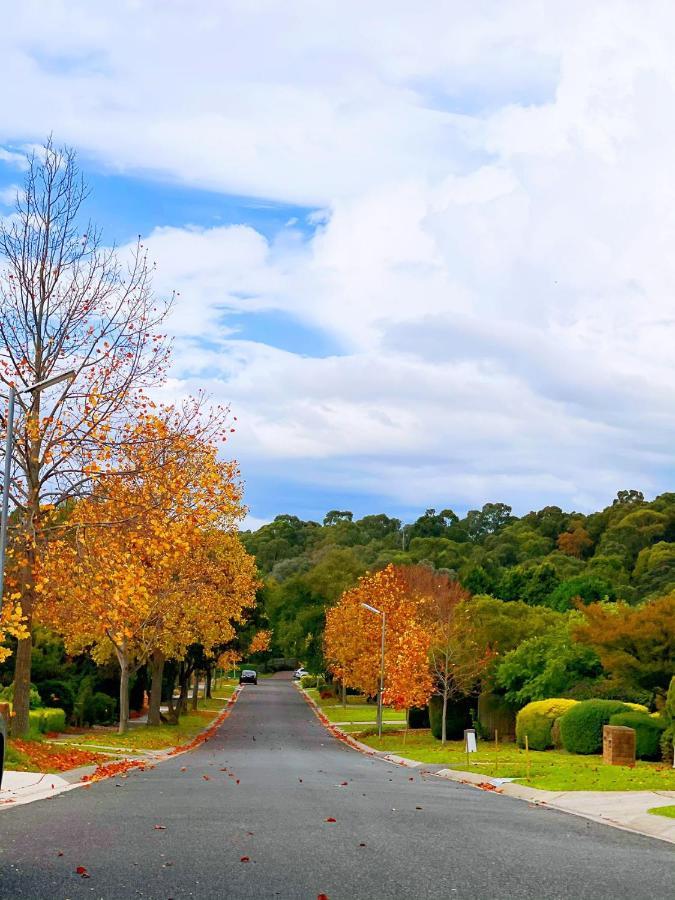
[20,705]
[195,691]
[344,695]
[157,671]
[208,683]
[444,723]
[24,652]
[124,689]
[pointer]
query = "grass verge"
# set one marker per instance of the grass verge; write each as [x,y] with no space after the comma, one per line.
[152,737]
[667,811]
[553,770]
[355,711]
[41,756]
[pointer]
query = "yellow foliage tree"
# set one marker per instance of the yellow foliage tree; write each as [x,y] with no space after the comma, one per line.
[147,563]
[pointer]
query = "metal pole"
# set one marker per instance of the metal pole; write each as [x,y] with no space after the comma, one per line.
[9,444]
[379,696]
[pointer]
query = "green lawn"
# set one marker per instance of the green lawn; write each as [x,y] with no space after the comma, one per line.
[667,811]
[553,770]
[153,737]
[355,711]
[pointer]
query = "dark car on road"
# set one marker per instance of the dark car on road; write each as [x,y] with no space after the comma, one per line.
[248,676]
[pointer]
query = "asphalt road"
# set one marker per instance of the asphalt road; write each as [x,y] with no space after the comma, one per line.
[273,778]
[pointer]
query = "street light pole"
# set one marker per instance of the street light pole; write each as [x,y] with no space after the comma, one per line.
[9,448]
[9,441]
[379,612]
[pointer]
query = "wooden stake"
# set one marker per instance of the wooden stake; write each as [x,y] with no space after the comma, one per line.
[527,756]
[496,750]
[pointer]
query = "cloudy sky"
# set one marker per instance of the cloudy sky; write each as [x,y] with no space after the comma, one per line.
[425,250]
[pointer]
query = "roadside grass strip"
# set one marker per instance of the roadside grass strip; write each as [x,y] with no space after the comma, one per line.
[355,712]
[42,756]
[667,811]
[553,770]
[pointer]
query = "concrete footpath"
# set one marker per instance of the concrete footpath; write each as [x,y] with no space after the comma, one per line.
[620,809]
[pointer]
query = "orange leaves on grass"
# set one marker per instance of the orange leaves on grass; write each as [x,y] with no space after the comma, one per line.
[48,757]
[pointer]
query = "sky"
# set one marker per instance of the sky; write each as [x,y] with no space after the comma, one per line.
[426,252]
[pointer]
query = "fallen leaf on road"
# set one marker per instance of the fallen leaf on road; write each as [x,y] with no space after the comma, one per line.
[418,807]
[322,897]
[362,845]
[300,780]
[160,827]
[60,853]
[244,859]
[183,768]
[82,872]
[237,781]
[206,777]
[331,819]
[411,778]
[344,783]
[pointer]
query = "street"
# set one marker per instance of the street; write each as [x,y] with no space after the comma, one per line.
[247,816]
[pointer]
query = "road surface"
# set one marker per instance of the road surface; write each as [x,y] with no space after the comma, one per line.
[274,777]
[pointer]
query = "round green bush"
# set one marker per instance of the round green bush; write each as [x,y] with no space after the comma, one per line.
[648,731]
[666,742]
[535,721]
[58,693]
[581,726]
[100,709]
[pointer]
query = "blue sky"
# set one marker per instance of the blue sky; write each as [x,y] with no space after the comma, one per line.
[424,253]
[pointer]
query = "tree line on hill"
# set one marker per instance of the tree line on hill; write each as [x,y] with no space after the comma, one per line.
[546,561]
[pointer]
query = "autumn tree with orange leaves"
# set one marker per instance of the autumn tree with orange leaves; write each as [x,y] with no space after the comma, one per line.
[149,563]
[352,640]
[261,641]
[67,301]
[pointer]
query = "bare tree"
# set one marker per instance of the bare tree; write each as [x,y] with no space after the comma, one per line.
[67,302]
[456,660]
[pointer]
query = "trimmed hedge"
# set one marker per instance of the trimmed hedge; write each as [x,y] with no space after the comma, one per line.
[581,726]
[308,681]
[44,720]
[648,731]
[535,721]
[458,717]
[418,717]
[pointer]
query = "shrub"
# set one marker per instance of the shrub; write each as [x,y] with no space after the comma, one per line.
[556,739]
[100,709]
[666,744]
[308,681]
[44,720]
[418,717]
[669,706]
[648,731]
[581,726]
[535,721]
[7,696]
[458,717]
[57,693]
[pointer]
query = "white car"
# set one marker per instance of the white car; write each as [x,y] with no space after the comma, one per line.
[299,673]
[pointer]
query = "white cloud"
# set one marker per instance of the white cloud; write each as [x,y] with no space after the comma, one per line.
[494,248]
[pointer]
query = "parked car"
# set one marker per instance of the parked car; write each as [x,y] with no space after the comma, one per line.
[299,673]
[248,676]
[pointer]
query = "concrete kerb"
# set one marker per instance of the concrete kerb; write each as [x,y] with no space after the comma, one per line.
[574,802]
[19,788]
